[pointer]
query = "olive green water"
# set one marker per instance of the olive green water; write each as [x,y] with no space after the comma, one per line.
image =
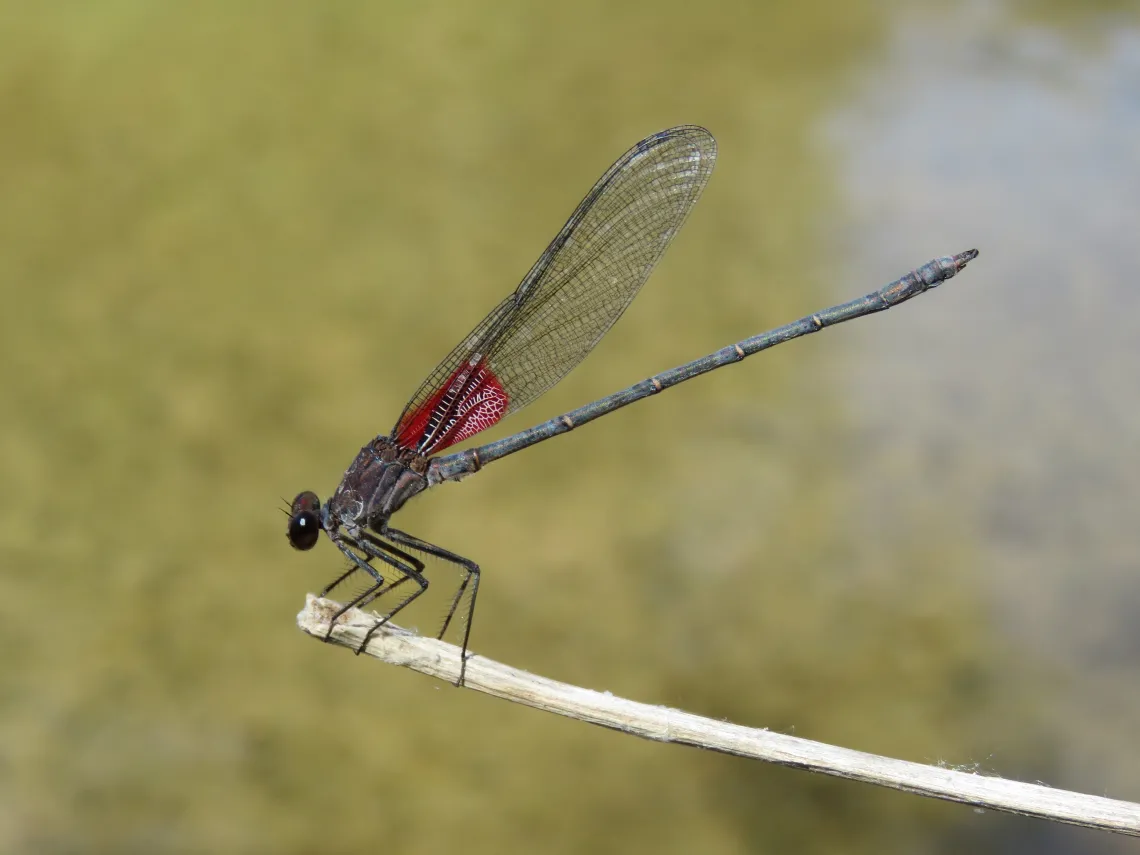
[233,238]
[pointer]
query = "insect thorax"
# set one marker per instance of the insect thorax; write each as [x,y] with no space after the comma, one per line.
[382,478]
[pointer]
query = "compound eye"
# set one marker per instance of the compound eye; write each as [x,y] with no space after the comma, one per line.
[304,529]
[306,501]
[304,521]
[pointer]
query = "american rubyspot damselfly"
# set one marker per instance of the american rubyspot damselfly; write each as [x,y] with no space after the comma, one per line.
[571,297]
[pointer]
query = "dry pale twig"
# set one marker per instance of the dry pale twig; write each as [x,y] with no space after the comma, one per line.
[438,659]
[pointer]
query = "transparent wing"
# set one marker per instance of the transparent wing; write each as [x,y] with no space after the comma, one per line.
[575,292]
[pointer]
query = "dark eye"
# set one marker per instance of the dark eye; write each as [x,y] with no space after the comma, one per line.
[304,521]
[304,529]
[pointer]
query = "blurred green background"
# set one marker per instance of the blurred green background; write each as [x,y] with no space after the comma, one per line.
[235,236]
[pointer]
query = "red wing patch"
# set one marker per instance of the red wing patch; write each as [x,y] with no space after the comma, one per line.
[470,401]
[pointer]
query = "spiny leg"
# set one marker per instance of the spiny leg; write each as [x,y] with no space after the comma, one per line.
[412,542]
[407,564]
[348,545]
[407,601]
[380,592]
[373,592]
[414,570]
[328,588]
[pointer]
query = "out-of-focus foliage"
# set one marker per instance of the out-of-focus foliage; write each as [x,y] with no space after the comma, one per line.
[233,237]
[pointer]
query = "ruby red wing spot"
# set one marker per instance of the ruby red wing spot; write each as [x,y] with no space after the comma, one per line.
[472,400]
[411,429]
[482,404]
